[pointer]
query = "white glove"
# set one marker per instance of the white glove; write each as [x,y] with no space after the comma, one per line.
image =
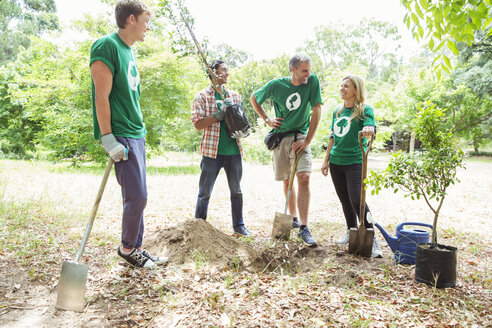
[114,148]
[241,134]
[228,102]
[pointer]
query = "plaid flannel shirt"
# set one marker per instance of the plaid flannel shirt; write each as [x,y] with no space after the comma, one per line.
[204,104]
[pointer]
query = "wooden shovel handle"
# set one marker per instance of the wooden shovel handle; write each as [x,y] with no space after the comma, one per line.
[88,228]
[365,154]
[200,52]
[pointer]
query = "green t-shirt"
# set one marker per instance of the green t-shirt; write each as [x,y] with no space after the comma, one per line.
[227,145]
[346,150]
[126,117]
[292,103]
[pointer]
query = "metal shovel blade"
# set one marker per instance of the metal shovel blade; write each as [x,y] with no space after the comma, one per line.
[71,286]
[282,226]
[360,241]
[73,276]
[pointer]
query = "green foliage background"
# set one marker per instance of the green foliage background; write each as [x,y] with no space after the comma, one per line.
[45,108]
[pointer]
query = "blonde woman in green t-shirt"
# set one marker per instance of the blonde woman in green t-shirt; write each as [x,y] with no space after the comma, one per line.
[343,156]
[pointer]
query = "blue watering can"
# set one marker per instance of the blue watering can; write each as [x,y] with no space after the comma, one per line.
[404,246]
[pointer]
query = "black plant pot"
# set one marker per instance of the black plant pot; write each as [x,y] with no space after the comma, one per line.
[436,265]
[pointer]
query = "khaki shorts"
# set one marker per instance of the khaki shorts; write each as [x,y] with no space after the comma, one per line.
[283,159]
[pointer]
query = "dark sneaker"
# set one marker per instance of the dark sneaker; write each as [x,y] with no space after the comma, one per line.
[156,259]
[345,239]
[376,250]
[136,259]
[295,223]
[241,230]
[305,235]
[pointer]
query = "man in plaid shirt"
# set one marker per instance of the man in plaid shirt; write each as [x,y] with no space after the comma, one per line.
[218,149]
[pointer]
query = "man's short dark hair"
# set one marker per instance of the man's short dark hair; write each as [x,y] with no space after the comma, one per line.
[214,65]
[125,8]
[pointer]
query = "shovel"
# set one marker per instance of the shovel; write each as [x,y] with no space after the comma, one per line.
[360,239]
[73,276]
[282,224]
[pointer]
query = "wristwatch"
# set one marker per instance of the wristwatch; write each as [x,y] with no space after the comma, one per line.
[267,120]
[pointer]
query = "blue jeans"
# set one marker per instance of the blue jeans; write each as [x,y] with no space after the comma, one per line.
[233,168]
[131,175]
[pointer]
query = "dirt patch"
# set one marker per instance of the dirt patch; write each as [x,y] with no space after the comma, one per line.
[198,241]
[215,279]
[290,257]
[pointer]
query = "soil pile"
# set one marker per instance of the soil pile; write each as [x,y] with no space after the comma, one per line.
[197,240]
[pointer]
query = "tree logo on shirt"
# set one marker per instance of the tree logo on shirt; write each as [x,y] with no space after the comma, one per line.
[342,126]
[293,101]
[133,76]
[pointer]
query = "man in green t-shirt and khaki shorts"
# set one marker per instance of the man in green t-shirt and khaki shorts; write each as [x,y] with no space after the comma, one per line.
[297,103]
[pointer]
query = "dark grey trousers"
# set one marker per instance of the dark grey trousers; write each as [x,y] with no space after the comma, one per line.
[131,175]
[347,180]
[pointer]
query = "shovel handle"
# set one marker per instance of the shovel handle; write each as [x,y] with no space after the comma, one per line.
[365,154]
[88,228]
[198,48]
[291,179]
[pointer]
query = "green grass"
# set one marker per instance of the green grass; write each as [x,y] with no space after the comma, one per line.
[173,170]
[151,170]
[30,233]
[200,259]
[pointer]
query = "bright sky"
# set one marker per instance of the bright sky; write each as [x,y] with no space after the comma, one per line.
[266,28]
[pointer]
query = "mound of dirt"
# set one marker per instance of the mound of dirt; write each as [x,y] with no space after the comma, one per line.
[197,240]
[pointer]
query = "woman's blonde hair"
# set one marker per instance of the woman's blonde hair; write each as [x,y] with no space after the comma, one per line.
[360,97]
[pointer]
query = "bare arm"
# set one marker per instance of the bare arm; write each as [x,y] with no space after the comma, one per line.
[205,122]
[274,123]
[103,83]
[313,126]
[326,162]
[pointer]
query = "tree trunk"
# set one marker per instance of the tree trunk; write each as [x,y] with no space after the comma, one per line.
[434,229]
[412,143]
[393,137]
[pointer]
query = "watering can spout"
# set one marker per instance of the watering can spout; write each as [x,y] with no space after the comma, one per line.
[392,241]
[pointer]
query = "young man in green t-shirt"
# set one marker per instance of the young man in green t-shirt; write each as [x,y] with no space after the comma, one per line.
[118,122]
[297,103]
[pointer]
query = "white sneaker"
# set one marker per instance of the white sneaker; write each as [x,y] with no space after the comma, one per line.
[345,239]
[376,250]
[136,259]
[158,260]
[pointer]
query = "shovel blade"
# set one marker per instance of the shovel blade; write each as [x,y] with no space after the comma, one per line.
[282,226]
[71,287]
[353,240]
[360,241]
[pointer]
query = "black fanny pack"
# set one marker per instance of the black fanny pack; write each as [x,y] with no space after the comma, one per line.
[272,139]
